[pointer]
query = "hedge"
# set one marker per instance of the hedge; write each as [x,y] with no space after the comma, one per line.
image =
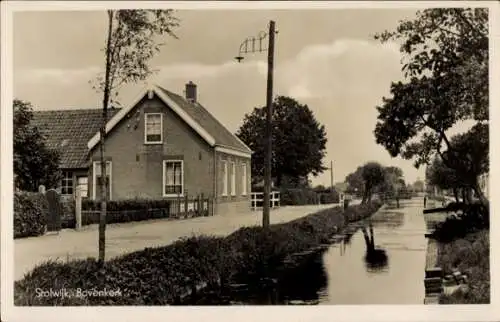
[469,218]
[129,204]
[471,256]
[159,276]
[30,214]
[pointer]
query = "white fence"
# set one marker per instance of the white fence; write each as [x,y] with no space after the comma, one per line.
[257,200]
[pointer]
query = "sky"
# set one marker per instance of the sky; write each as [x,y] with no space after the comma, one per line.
[326,59]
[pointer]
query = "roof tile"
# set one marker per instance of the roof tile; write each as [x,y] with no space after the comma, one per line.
[69,131]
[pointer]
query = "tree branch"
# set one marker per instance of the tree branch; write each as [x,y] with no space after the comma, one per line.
[468,23]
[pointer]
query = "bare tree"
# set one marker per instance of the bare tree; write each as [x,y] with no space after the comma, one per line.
[132,40]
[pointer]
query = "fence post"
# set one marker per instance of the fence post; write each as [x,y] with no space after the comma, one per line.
[185,205]
[202,205]
[78,208]
[178,206]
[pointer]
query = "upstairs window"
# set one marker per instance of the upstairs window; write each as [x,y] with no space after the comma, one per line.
[153,128]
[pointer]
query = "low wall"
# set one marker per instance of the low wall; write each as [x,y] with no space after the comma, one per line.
[433,280]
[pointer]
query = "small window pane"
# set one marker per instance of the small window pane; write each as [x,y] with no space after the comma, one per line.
[153,127]
[173,173]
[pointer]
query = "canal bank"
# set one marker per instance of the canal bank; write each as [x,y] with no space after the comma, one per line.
[348,273]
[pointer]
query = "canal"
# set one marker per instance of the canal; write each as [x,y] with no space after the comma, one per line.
[378,261]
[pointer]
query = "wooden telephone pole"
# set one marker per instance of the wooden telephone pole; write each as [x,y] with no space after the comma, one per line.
[251,45]
[269,117]
[331,175]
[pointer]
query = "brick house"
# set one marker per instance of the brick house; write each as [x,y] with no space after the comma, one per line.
[161,146]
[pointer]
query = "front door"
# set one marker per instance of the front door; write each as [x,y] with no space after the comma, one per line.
[55,210]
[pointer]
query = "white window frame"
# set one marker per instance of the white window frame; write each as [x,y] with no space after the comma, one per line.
[86,185]
[224,178]
[233,179]
[146,115]
[244,179]
[109,165]
[164,181]
[64,182]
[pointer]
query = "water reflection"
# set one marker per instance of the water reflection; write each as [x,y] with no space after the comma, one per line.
[376,258]
[305,283]
[389,219]
[360,274]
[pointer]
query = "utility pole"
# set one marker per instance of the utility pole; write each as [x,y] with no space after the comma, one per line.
[331,175]
[269,117]
[244,48]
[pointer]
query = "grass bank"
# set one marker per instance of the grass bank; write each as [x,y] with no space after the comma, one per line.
[161,275]
[471,256]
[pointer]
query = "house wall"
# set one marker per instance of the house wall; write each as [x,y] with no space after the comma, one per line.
[238,203]
[137,168]
[76,173]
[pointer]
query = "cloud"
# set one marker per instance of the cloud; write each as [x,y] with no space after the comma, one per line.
[341,82]
[63,76]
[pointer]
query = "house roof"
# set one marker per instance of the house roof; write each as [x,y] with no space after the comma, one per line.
[69,131]
[222,136]
[194,114]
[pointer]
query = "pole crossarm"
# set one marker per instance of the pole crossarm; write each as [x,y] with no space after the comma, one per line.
[253,44]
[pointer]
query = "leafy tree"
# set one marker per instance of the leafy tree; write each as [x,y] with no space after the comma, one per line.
[446,72]
[443,177]
[299,140]
[35,163]
[354,181]
[418,185]
[468,159]
[131,42]
[373,175]
[393,181]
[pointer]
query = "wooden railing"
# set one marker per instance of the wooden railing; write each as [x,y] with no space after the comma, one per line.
[257,200]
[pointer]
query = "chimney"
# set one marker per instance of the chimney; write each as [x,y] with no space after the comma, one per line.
[191,92]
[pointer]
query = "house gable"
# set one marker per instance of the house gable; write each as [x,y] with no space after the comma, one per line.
[138,167]
[193,114]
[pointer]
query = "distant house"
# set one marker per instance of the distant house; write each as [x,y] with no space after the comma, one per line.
[161,146]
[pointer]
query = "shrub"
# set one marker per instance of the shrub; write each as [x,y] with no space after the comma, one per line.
[30,214]
[158,276]
[329,197]
[129,204]
[121,211]
[470,255]
[68,213]
[298,197]
[469,219]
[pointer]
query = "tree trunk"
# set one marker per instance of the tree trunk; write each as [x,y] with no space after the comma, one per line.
[368,241]
[455,193]
[479,192]
[103,181]
[279,180]
[467,194]
[365,195]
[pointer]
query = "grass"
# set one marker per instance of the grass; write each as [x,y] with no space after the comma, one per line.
[161,275]
[471,256]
